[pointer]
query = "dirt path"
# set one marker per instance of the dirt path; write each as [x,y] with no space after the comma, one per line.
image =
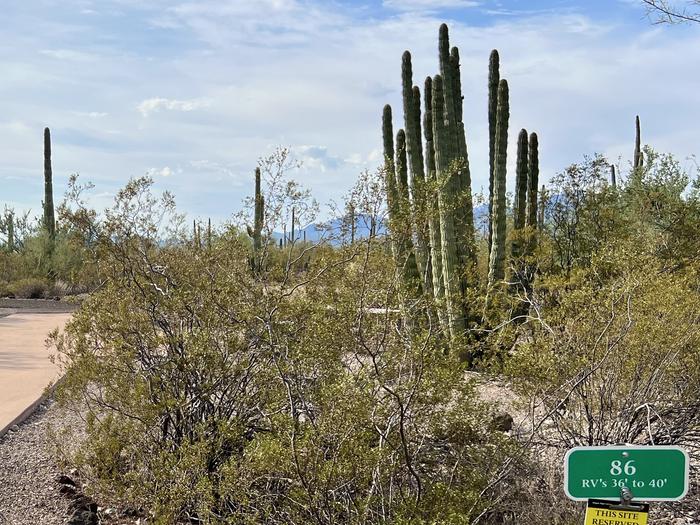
[25,369]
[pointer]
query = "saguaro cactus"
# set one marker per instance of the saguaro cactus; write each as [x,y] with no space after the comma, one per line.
[638,159]
[49,217]
[10,218]
[613,179]
[258,220]
[498,244]
[494,77]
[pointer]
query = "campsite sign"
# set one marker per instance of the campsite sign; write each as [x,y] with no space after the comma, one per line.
[650,473]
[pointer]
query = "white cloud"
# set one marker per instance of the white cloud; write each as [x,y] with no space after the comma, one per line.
[153,105]
[411,5]
[160,172]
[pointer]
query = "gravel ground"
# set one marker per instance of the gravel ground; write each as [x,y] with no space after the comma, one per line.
[28,490]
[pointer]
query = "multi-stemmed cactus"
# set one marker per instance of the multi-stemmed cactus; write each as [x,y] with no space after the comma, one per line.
[49,217]
[438,214]
[396,179]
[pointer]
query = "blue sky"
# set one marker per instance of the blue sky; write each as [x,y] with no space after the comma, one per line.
[193,92]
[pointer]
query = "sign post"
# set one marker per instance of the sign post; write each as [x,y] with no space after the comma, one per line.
[641,473]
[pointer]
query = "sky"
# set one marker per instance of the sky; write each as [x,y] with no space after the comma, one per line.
[193,92]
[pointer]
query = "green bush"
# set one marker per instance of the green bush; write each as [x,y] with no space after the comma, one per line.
[227,398]
[29,288]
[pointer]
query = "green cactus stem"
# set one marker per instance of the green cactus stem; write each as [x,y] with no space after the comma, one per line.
[521,178]
[638,158]
[494,77]
[456,151]
[293,225]
[10,232]
[497,259]
[431,199]
[409,267]
[519,216]
[390,178]
[533,174]
[209,233]
[258,220]
[414,152]
[49,216]
[541,207]
[447,187]
[465,202]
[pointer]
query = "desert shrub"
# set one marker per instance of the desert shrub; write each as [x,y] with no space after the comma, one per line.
[227,398]
[29,288]
[613,358]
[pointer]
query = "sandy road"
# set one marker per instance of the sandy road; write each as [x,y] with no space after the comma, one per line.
[25,368]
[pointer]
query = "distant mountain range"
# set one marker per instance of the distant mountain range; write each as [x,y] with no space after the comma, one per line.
[337,230]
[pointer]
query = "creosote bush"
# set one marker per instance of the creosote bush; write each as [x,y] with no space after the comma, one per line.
[222,395]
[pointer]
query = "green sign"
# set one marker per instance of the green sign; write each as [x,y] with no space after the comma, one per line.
[650,473]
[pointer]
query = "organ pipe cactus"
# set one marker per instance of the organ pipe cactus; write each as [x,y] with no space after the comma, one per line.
[533,174]
[438,212]
[414,151]
[494,77]
[49,217]
[390,176]
[431,200]
[531,213]
[456,150]
[521,178]
[447,184]
[396,180]
[498,218]
[408,266]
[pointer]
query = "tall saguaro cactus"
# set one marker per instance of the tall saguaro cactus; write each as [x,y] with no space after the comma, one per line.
[498,218]
[258,221]
[638,159]
[494,78]
[49,217]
